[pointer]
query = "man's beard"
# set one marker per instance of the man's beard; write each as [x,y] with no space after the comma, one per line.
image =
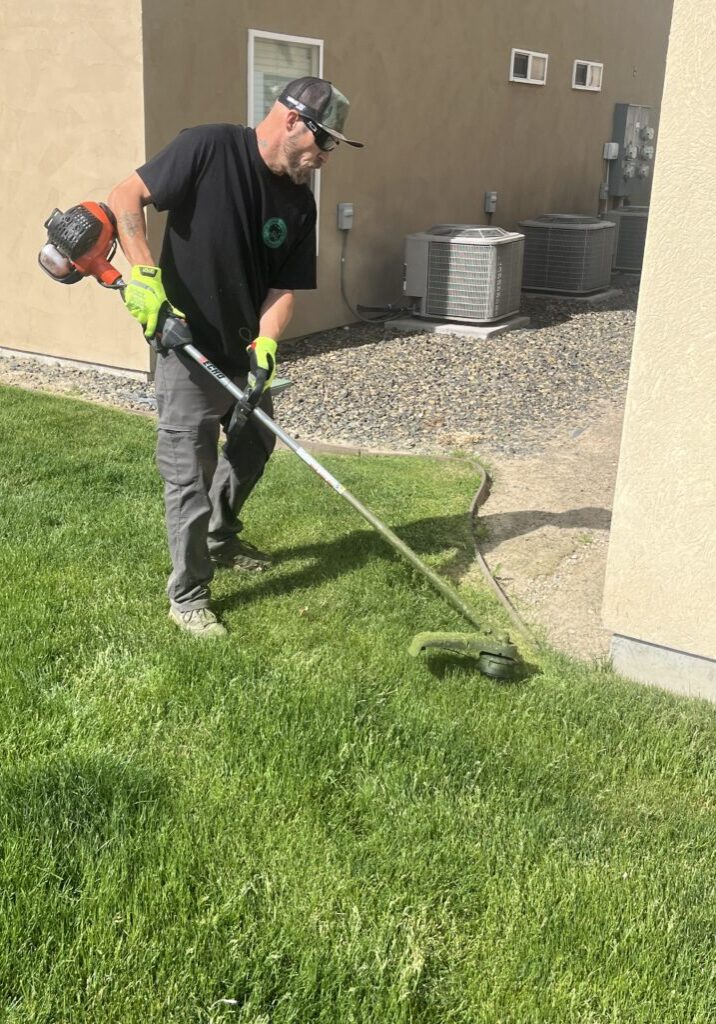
[297,172]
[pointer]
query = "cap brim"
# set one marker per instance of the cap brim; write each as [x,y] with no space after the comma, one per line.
[339,136]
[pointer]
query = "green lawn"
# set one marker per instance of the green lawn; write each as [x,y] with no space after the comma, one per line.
[302,824]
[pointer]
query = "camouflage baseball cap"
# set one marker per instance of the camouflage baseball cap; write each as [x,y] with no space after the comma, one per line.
[320,101]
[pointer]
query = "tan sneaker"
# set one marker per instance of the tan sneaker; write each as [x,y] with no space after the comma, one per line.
[198,622]
[244,557]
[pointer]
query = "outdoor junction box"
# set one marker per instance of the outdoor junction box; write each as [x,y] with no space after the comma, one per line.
[490,202]
[344,216]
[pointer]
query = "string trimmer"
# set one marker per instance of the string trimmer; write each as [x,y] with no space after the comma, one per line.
[81,243]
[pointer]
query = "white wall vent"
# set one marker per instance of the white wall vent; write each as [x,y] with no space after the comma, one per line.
[464,272]
[567,253]
[631,222]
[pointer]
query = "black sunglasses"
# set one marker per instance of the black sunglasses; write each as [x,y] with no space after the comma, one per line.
[324,139]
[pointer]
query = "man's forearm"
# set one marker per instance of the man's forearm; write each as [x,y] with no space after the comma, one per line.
[132,231]
[127,203]
[276,313]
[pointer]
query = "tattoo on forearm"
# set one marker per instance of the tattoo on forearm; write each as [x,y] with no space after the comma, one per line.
[131,224]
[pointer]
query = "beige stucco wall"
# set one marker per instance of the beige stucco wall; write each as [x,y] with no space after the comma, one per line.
[432,101]
[71,114]
[661,573]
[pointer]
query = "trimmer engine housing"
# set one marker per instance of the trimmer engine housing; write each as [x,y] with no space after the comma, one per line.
[81,243]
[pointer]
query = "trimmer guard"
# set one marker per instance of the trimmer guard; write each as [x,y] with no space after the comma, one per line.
[496,658]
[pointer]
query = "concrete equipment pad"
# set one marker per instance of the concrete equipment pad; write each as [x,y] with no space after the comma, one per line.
[413,324]
[609,293]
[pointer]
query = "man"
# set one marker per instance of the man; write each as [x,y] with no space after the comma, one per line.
[240,237]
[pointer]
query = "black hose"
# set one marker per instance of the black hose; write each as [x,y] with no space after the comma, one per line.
[392,312]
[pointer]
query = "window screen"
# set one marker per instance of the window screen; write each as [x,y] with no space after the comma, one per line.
[276,62]
[594,77]
[538,69]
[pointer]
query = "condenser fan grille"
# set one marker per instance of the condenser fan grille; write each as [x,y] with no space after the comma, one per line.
[567,253]
[630,246]
[473,282]
[631,224]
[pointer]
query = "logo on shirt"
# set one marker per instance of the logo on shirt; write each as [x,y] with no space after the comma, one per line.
[274,232]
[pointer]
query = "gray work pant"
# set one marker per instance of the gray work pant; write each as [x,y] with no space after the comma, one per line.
[203,490]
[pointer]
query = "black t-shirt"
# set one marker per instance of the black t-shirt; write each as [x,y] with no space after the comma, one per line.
[235,229]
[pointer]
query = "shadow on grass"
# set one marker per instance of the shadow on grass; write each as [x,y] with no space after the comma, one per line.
[80,800]
[333,559]
[75,832]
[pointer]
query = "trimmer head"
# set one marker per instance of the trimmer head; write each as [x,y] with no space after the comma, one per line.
[496,658]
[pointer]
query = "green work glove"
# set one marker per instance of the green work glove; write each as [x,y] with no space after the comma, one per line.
[144,297]
[262,360]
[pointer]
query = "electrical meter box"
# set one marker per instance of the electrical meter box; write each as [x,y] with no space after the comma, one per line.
[629,174]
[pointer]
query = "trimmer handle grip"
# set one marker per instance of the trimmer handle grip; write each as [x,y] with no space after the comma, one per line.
[172,331]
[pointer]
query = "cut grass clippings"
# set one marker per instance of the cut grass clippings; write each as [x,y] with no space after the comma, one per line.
[301,823]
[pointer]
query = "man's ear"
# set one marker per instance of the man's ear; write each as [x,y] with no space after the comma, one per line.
[292,119]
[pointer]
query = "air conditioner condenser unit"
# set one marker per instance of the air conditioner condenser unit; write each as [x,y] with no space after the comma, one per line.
[567,253]
[464,272]
[631,223]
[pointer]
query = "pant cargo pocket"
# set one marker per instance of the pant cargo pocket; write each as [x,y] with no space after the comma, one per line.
[177,456]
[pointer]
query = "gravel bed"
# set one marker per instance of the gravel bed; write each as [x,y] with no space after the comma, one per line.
[373,387]
[87,384]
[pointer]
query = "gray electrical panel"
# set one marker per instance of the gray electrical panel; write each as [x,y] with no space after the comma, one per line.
[629,174]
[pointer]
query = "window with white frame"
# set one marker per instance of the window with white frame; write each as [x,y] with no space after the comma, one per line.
[528,66]
[587,74]
[275,60]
